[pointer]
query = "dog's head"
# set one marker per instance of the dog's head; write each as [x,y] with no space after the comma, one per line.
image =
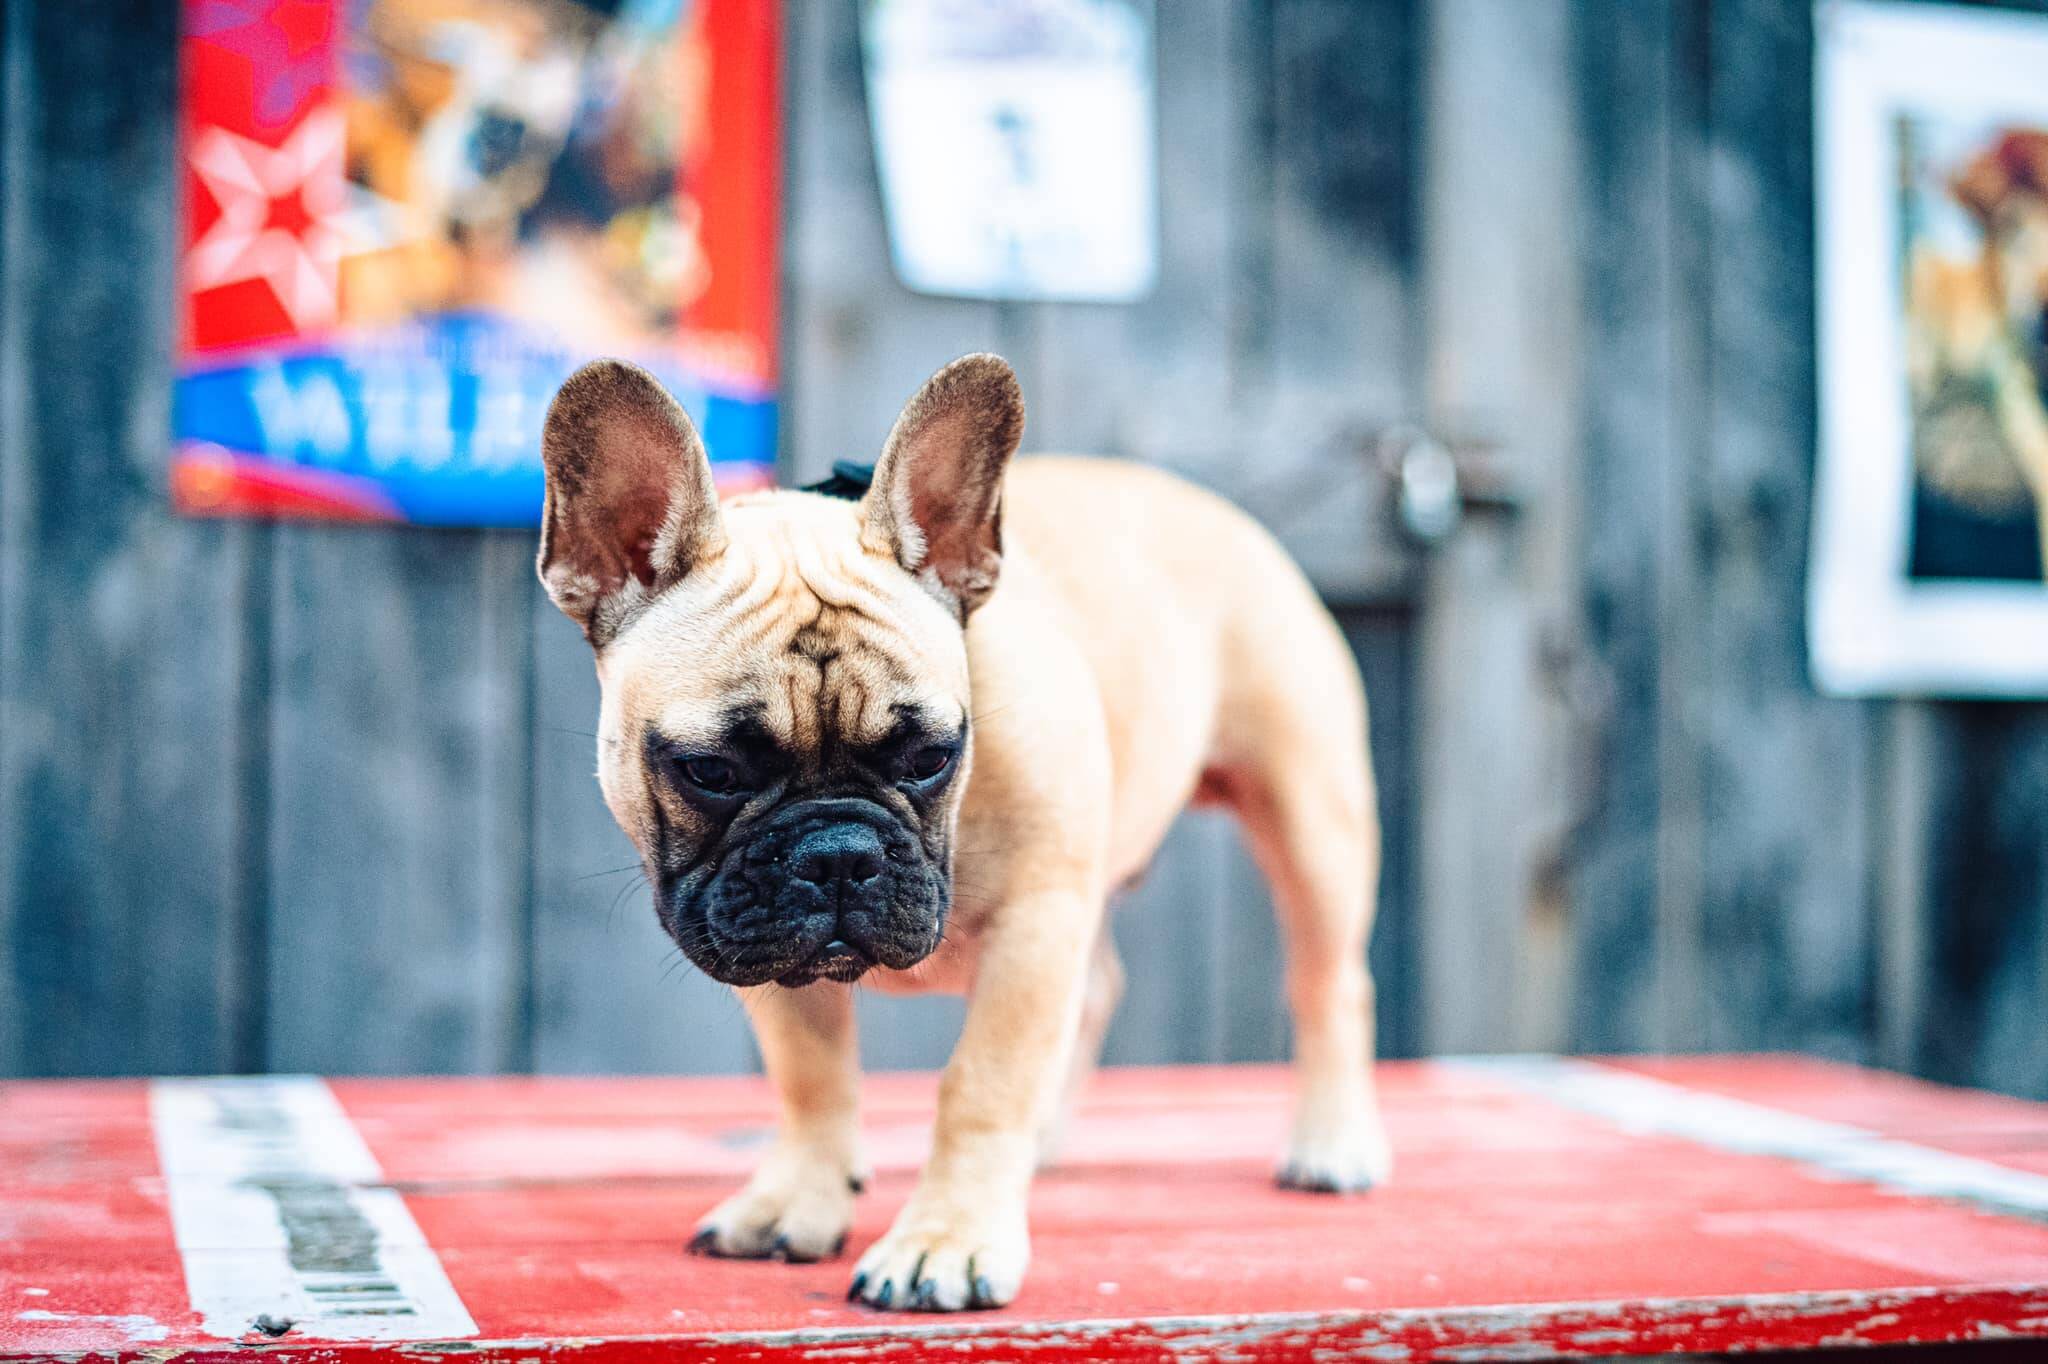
[785,724]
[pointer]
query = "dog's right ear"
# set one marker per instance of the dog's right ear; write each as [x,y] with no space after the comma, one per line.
[630,503]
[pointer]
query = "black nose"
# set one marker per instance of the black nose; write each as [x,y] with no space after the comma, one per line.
[844,853]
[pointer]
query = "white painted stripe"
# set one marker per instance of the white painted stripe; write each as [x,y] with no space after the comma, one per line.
[278,1210]
[1639,1103]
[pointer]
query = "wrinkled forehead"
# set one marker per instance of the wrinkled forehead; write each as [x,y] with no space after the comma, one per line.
[797,628]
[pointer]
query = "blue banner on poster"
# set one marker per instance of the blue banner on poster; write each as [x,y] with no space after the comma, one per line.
[438,424]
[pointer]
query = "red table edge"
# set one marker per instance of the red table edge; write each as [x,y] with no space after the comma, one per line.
[1562,1330]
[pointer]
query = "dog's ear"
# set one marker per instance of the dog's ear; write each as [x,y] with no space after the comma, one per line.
[630,503]
[937,500]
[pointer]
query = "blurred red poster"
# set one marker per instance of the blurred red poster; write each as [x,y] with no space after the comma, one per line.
[405,221]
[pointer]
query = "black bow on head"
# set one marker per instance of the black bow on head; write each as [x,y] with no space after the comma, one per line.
[849,480]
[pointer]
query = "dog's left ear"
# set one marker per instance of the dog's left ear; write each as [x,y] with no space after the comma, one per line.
[630,502]
[937,500]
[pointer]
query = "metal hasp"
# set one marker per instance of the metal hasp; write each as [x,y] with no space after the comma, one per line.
[1437,482]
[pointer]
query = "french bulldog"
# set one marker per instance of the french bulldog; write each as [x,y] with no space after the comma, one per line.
[917,740]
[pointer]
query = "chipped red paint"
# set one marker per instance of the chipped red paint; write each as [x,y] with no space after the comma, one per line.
[558,1209]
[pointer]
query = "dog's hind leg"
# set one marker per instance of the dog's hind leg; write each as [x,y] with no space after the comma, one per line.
[1319,850]
[1303,790]
[1102,993]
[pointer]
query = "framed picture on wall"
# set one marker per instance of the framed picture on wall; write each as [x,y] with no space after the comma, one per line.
[1014,140]
[1930,552]
[406,221]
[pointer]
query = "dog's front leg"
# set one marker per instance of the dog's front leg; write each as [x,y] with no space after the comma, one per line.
[962,1241]
[799,1203]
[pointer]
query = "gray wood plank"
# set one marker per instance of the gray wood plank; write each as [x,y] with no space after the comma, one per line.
[1500,290]
[1154,379]
[121,715]
[1905,748]
[400,700]
[1786,774]
[611,992]
[1331,353]
[1984,993]
[908,1032]
[1633,926]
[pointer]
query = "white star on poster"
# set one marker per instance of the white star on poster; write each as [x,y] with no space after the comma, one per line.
[281,216]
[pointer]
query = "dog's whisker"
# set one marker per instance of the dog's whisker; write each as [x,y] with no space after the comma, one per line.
[608,871]
[620,897]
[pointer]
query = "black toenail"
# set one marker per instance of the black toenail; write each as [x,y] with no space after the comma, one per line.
[984,1291]
[703,1242]
[860,1281]
[886,1294]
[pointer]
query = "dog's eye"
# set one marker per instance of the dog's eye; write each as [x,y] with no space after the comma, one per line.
[928,763]
[714,775]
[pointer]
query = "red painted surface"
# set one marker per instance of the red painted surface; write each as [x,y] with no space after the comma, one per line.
[559,1209]
[216,482]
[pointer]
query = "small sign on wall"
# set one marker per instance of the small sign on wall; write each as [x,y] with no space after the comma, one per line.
[1930,547]
[1014,139]
[406,221]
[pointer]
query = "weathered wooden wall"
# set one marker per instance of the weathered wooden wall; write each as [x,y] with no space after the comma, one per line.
[320,797]
[1758,866]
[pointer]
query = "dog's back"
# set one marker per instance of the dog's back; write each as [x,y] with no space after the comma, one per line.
[1216,662]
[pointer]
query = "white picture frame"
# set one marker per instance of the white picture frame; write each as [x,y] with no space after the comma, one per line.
[1015,142]
[1891,78]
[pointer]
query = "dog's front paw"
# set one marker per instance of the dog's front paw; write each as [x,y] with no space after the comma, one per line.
[795,1208]
[936,1260]
[1337,1153]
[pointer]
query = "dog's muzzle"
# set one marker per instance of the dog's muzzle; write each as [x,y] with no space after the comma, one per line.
[823,889]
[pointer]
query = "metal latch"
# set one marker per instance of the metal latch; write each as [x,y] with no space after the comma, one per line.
[1436,482]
